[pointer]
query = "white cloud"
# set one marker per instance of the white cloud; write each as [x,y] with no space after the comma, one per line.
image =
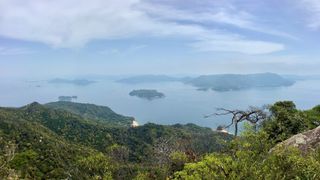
[123,52]
[227,14]
[242,46]
[74,23]
[313,9]
[14,51]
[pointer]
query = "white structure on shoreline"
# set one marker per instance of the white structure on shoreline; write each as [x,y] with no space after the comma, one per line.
[134,123]
[222,129]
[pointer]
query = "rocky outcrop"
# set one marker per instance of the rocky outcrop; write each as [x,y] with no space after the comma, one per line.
[306,141]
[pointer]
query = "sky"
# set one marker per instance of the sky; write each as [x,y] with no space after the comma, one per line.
[55,38]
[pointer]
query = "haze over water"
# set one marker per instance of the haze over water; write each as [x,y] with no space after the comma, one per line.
[182,104]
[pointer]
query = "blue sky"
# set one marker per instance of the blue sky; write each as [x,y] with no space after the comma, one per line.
[57,37]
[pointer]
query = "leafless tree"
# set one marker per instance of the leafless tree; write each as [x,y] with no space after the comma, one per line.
[8,151]
[252,115]
[162,150]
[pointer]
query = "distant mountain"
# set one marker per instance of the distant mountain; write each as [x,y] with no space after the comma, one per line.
[226,82]
[90,111]
[78,82]
[151,79]
[51,143]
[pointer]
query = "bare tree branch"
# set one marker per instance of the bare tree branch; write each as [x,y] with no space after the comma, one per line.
[252,115]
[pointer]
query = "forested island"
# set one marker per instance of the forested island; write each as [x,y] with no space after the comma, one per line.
[227,82]
[149,94]
[219,82]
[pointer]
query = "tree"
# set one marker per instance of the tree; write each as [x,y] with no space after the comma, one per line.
[162,150]
[178,160]
[118,153]
[97,166]
[7,154]
[249,158]
[285,120]
[252,115]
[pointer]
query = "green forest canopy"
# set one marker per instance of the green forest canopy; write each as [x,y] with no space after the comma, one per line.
[43,142]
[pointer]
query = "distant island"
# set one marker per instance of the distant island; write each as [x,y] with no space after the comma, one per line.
[227,82]
[151,79]
[149,94]
[78,82]
[219,82]
[67,98]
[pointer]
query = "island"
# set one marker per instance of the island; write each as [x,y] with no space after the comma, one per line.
[152,79]
[232,82]
[78,82]
[148,94]
[220,82]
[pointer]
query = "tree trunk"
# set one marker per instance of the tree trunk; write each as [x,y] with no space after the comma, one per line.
[236,129]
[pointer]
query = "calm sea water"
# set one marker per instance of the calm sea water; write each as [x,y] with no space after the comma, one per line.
[182,104]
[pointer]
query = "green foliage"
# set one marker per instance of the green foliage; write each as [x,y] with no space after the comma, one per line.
[142,176]
[24,159]
[42,142]
[178,160]
[102,114]
[118,153]
[313,117]
[249,158]
[7,153]
[97,166]
[285,121]
[53,143]
[280,165]
[290,164]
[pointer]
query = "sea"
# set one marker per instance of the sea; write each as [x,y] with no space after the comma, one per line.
[182,103]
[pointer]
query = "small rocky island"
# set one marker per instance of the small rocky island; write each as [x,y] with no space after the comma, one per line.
[149,94]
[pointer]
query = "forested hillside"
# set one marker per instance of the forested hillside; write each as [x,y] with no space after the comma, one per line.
[93,112]
[42,142]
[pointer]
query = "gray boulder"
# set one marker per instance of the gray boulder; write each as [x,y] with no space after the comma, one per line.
[306,141]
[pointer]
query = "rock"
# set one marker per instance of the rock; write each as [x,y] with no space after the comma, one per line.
[306,141]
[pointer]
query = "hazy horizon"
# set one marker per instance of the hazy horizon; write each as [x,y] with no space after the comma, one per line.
[42,40]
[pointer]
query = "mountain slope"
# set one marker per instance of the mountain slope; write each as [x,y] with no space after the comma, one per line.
[93,112]
[52,143]
[39,152]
